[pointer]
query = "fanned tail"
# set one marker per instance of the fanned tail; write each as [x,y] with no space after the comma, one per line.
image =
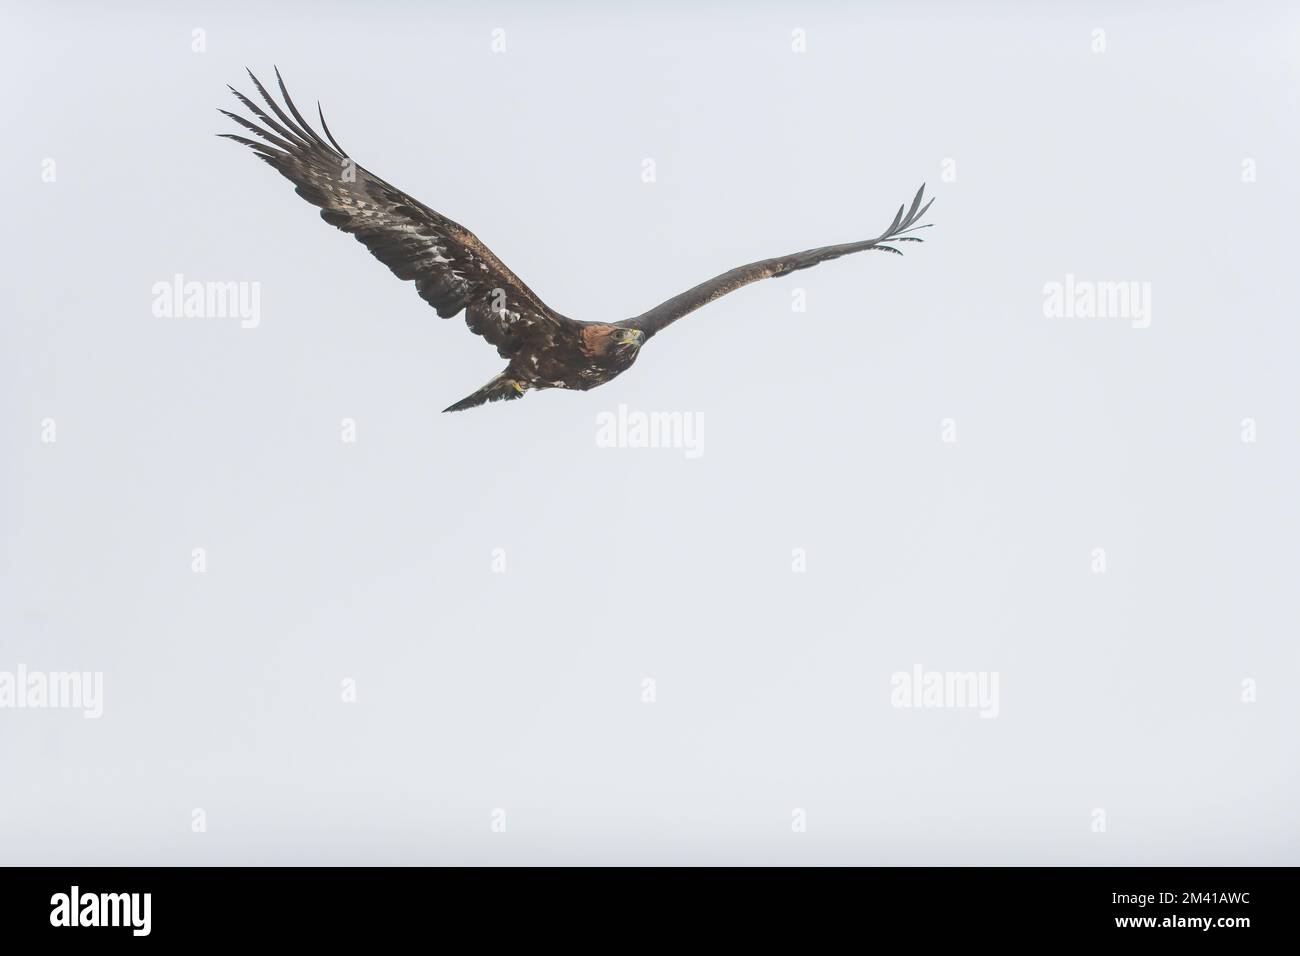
[502,388]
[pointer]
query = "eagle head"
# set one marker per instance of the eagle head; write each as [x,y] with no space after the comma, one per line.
[612,342]
[630,339]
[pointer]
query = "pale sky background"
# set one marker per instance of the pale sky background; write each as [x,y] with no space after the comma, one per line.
[522,690]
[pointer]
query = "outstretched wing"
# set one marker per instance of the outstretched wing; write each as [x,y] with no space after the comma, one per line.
[451,268]
[679,305]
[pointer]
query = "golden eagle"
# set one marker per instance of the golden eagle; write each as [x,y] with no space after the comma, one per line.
[454,271]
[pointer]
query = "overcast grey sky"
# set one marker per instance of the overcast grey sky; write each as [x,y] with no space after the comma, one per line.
[485,637]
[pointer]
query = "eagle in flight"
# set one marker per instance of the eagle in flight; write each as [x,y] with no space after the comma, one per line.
[453,271]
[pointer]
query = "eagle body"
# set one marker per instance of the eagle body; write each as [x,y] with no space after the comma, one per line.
[454,271]
[582,356]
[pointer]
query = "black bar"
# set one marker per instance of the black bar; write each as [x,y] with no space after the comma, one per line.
[205,905]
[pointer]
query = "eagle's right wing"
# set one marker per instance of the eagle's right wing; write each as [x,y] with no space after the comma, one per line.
[678,306]
[451,268]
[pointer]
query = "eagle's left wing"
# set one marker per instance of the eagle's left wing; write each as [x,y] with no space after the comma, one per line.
[680,305]
[452,269]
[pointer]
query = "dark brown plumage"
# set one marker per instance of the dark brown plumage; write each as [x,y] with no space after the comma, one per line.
[453,271]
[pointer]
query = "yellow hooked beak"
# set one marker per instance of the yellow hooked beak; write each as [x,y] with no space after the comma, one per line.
[632,337]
